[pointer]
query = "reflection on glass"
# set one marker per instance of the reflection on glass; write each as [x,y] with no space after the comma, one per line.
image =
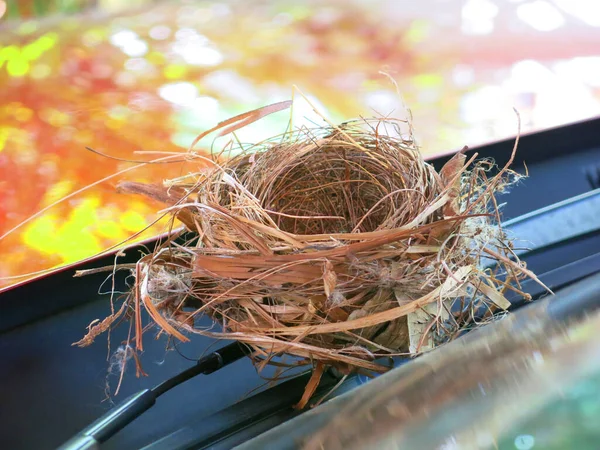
[570,421]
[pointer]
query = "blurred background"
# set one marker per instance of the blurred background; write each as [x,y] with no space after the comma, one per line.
[122,76]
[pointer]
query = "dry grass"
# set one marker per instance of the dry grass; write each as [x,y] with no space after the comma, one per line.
[321,244]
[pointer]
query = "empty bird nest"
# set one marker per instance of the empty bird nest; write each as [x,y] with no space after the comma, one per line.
[337,245]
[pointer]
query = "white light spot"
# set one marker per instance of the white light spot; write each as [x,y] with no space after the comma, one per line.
[205,57]
[383,102]
[478,16]
[540,15]
[135,48]
[538,357]
[305,115]
[524,442]
[207,106]
[160,32]
[585,69]
[482,104]
[196,49]
[185,34]
[463,75]
[588,11]
[180,93]
[529,76]
[129,42]
[232,85]
[120,38]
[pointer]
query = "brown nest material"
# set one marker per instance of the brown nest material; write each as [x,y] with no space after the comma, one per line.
[336,245]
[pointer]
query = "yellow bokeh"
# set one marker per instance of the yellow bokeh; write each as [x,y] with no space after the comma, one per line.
[69,238]
[114,124]
[156,58]
[175,71]
[4,133]
[132,221]
[109,229]
[83,136]
[54,117]
[57,191]
[8,53]
[18,59]
[86,229]
[17,67]
[428,80]
[23,114]
[34,50]
[417,31]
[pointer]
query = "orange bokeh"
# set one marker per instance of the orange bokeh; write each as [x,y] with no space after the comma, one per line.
[153,78]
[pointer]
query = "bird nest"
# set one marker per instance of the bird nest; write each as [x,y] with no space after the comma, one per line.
[336,245]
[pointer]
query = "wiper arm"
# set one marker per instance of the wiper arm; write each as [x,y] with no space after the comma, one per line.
[113,421]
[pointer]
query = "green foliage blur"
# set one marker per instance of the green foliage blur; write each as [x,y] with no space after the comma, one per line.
[35,9]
